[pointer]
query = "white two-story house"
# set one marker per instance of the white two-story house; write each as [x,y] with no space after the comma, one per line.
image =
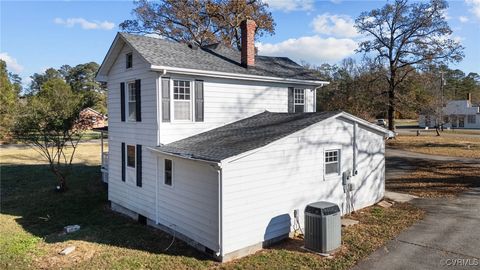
[221,147]
[455,114]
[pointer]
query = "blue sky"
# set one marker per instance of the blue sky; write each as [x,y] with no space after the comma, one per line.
[36,35]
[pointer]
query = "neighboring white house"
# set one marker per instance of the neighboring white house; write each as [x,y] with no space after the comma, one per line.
[456,114]
[221,146]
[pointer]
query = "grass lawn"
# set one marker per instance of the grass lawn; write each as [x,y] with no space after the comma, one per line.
[438,145]
[32,216]
[437,179]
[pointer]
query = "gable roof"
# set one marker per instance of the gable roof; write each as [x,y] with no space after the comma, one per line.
[247,134]
[165,54]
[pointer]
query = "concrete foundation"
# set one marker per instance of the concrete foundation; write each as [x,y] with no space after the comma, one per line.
[227,257]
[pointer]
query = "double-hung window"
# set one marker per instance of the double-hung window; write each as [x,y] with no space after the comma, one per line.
[332,162]
[131,102]
[182,100]
[299,99]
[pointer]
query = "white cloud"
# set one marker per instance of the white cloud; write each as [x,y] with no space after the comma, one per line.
[474,7]
[312,49]
[85,24]
[336,1]
[334,25]
[291,5]
[12,63]
[463,19]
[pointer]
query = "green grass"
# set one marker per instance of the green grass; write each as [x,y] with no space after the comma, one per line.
[33,215]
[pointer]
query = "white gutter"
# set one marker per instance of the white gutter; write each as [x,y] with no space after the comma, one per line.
[182,156]
[219,74]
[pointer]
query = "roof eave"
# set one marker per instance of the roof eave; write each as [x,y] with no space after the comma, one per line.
[154,149]
[226,75]
[366,123]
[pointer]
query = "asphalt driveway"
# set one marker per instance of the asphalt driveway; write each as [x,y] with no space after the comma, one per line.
[448,237]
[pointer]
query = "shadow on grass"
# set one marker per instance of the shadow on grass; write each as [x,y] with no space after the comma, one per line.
[27,191]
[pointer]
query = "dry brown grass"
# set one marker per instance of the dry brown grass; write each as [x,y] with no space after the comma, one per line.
[437,179]
[376,227]
[86,153]
[450,145]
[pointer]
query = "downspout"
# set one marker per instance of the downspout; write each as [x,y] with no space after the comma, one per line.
[220,211]
[355,133]
[158,94]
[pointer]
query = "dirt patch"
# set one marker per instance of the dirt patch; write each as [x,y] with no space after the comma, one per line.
[51,258]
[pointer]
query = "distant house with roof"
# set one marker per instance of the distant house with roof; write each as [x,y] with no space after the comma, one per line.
[455,114]
[221,147]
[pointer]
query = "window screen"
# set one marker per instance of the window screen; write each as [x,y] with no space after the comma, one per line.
[332,162]
[168,172]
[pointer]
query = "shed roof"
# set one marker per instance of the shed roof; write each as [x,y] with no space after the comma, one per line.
[244,135]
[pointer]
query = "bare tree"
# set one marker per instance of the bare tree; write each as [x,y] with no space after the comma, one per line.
[404,36]
[199,21]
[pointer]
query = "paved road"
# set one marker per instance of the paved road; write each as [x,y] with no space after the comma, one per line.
[450,232]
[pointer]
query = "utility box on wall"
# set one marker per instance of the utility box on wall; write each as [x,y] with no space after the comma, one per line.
[322,227]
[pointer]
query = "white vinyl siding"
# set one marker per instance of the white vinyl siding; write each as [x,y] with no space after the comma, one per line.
[261,190]
[226,101]
[190,205]
[127,194]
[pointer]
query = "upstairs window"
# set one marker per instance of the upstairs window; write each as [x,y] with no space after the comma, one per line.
[129,60]
[132,102]
[299,99]
[471,119]
[182,100]
[168,172]
[332,162]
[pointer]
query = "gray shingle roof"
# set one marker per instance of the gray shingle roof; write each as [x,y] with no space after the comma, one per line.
[217,57]
[244,135]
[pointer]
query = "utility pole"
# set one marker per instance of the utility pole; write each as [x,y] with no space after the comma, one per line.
[442,83]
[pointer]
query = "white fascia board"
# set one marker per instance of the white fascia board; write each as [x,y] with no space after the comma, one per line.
[218,74]
[182,157]
[365,123]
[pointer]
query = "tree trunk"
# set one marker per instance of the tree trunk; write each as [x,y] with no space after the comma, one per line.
[391,107]
[62,182]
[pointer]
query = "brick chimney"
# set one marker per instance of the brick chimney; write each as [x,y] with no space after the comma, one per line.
[469,97]
[248,28]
